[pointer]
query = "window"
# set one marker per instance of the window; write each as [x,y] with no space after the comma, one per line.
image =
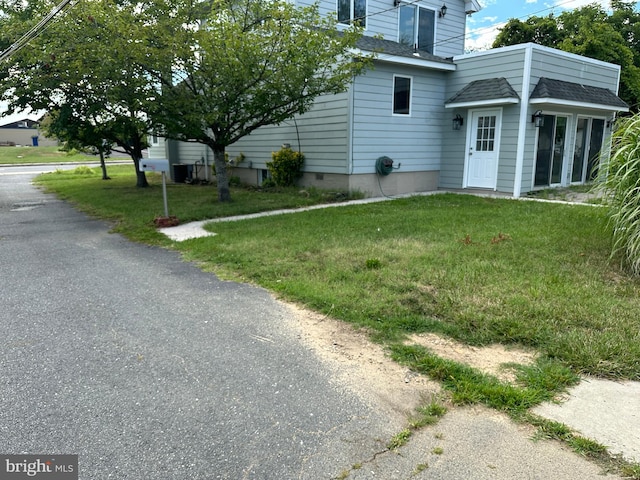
[349,10]
[417,27]
[401,95]
[154,139]
[486,134]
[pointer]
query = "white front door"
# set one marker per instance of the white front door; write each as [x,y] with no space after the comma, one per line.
[482,156]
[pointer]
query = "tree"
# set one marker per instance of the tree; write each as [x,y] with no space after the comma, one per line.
[78,133]
[588,31]
[210,71]
[77,72]
[540,30]
[239,65]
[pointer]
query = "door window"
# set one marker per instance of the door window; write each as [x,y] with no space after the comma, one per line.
[551,147]
[486,133]
[589,135]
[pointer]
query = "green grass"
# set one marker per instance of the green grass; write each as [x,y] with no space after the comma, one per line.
[132,210]
[20,155]
[478,270]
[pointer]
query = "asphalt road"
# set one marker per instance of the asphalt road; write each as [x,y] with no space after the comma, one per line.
[146,367]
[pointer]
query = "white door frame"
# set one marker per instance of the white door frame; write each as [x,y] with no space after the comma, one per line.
[470,146]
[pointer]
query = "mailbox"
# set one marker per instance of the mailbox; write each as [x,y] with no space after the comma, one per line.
[153,165]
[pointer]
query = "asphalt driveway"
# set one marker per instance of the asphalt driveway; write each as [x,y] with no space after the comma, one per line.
[148,368]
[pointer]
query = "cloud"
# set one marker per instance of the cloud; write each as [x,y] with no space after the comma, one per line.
[482,38]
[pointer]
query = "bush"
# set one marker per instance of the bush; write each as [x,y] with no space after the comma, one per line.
[619,181]
[285,167]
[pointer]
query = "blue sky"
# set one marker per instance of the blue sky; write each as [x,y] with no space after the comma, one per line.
[482,27]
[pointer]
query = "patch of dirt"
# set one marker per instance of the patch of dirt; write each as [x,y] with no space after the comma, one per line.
[365,368]
[362,366]
[489,359]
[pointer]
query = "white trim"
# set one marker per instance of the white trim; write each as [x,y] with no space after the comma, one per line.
[556,102]
[471,135]
[393,95]
[569,138]
[472,6]
[406,3]
[350,133]
[535,46]
[484,103]
[522,125]
[415,61]
[352,11]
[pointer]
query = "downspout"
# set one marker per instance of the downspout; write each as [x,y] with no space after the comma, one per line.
[522,127]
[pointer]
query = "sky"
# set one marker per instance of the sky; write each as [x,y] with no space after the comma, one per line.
[482,27]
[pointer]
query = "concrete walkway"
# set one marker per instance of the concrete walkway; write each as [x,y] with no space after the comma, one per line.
[605,411]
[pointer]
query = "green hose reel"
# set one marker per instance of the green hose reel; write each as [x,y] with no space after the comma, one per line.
[384,166]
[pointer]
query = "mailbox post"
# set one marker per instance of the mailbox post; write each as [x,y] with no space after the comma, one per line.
[157,165]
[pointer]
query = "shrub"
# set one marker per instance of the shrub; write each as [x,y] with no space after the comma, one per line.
[619,181]
[285,167]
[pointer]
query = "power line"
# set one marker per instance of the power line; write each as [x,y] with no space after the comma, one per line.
[36,30]
[468,35]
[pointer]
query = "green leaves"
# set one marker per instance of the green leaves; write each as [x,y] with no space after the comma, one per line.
[590,31]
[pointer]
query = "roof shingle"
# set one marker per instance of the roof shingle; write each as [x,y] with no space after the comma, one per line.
[388,47]
[575,92]
[482,90]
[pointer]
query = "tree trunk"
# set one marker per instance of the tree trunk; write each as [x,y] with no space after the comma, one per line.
[222,178]
[104,167]
[141,178]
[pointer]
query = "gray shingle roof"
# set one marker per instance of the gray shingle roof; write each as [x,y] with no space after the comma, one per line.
[388,47]
[574,92]
[481,90]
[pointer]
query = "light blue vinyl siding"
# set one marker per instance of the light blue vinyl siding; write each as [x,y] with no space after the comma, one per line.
[411,140]
[382,19]
[508,64]
[323,134]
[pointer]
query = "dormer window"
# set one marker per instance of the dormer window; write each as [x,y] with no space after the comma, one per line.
[352,10]
[417,27]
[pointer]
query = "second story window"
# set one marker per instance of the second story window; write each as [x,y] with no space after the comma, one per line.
[417,27]
[350,10]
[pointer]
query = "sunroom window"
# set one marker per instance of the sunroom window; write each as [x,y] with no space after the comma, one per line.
[417,27]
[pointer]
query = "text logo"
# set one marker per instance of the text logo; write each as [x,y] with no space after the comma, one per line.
[45,467]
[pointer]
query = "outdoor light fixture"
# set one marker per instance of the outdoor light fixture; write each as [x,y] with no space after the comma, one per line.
[538,119]
[443,11]
[457,122]
[396,3]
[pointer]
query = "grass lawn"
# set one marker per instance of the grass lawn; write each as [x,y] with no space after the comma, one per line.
[478,270]
[19,155]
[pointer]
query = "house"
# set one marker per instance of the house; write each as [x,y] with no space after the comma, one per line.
[429,117]
[23,129]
